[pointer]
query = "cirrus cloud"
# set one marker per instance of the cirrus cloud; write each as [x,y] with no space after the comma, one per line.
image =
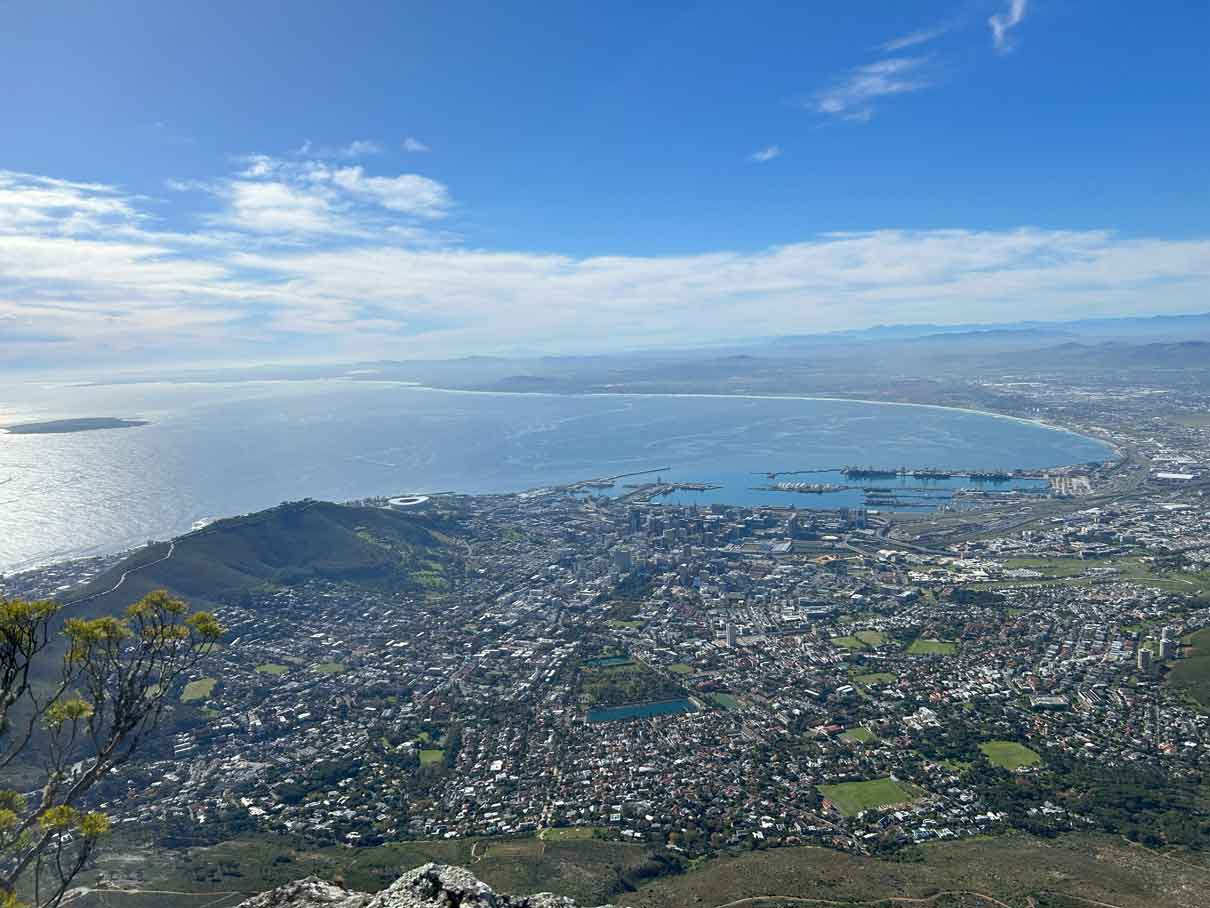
[852,98]
[1003,23]
[765,155]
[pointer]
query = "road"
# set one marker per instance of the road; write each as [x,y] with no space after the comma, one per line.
[219,896]
[122,579]
[890,900]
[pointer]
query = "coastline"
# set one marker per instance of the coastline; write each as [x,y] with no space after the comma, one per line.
[1111,451]
[719,395]
[714,395]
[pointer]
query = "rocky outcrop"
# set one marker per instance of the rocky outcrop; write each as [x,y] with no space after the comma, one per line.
[430,886]
[309,893]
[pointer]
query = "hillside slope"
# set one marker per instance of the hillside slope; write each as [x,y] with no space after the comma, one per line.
[287,544]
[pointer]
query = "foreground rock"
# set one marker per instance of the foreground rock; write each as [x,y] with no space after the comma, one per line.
[430,886]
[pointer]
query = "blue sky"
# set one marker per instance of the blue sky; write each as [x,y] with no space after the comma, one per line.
[278,180]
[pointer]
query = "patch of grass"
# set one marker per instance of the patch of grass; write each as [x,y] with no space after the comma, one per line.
[726,701]
[680,668]
[848,643]
[1009,754]
[923,647]
[956,765]
[618,623]
[328,668]
[431,757]
[515,849]
[860,735]
[198,690]
[567,833]
[872,638]
[271,668]
[872,678]
[852,798]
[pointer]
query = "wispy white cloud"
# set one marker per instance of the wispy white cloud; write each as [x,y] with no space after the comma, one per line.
[852,98]
[918,37]
[309,259]
[413,144]
[1003,23]
[359,148]
[30,202]
[765,154]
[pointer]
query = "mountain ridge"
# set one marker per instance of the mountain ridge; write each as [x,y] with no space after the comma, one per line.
[286,544]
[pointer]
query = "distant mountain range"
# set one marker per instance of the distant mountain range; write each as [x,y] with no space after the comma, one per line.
[1186,354]
[908,362]
[1127,327]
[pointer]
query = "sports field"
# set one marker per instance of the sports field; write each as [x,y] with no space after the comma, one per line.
[852,798]
[923,647]
[198,690]
[1009,754]
[567,833]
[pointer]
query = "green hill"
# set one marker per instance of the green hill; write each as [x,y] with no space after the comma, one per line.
[291,543]
[288,544]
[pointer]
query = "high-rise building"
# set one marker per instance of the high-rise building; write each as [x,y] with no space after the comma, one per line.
[636,520]
[1144,659]
[731,635]
[1168,644]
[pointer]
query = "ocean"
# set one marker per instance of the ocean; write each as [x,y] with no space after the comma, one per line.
[217,449]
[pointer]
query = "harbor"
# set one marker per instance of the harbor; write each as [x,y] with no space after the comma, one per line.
[907,489]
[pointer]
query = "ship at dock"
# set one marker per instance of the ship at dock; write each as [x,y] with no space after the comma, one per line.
[870,473]
[816,488]
[925,473]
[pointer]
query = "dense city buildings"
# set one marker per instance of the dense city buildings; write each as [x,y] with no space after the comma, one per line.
[703,678]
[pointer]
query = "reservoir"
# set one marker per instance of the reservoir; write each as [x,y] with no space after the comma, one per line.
[641,710]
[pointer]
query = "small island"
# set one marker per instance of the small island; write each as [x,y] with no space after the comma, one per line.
[61,426]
